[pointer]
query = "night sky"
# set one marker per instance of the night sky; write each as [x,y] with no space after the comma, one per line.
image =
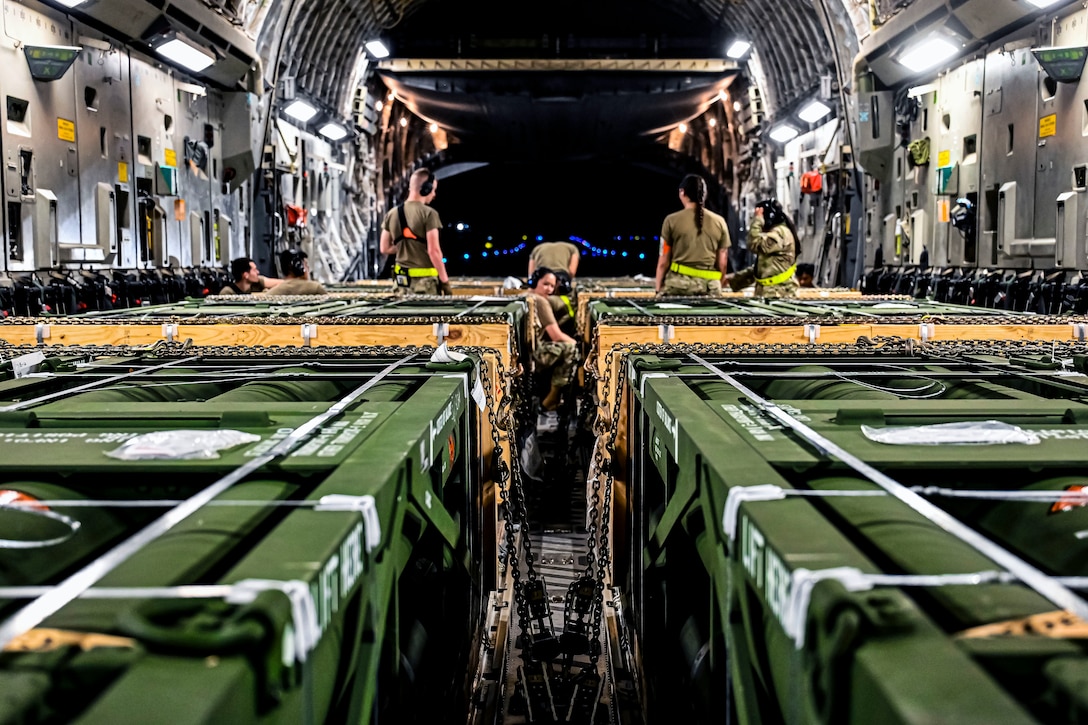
[514,206]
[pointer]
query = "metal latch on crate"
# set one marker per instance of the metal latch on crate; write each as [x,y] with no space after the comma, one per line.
[309,332]
[812,332]
[170,331]
[927,331]
[666,332]
[1080,331]
[441,331]
[41,332]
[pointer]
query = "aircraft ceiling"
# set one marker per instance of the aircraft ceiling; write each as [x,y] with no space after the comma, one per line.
[568,79]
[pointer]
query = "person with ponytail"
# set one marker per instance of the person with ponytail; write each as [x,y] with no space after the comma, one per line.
[776,251]
[693,256]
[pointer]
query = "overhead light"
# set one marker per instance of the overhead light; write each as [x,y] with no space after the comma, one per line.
[73,3]
[712,122]
[738,49]
[333,131]
[177,50]
[403,122]
[783,133]
[682,128]
[300,110]
[1042,3]
[433,128]
[813,112]
[377,49]
[929,53]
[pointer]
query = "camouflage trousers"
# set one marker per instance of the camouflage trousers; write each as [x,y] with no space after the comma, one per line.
[681,285]
[747,278]
[560,357]
[419,286]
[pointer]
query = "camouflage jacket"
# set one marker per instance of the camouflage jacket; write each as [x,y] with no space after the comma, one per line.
[774,252]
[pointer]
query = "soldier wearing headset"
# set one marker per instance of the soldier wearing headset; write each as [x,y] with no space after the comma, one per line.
[773,239]
[296,276]
[410,231]
[555,349]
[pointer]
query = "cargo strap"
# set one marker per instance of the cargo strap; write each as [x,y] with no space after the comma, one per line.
[769,492]
[777,279]
[365,505]
[416,271]
[304,623]
[694,271]
[1044,584]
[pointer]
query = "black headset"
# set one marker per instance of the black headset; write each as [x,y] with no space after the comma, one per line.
[562,279]
[293,261]
[773,215]
[427,186]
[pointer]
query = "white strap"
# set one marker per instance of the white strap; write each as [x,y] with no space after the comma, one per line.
[364,505]
[306,631]
[740,494]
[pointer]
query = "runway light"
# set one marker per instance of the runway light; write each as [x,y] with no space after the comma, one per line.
[783,133]
[377,49]
[333,131]
[928,53]
[184,53]
[300,111]
[738,49]
[813,112]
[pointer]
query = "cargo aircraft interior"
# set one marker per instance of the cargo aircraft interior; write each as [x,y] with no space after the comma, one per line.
[607,362]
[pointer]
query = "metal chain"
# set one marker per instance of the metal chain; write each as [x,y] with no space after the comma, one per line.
[604,558]
[785,320]
[502,479]
[356,319]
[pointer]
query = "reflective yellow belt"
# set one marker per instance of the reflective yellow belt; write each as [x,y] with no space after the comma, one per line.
[416,271]
[693,272]
[566,301]
[778,278]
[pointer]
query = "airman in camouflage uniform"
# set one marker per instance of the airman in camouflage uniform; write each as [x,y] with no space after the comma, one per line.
[553,348]
[773,273]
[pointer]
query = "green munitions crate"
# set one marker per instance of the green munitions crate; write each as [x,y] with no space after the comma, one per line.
[845,534]
[500,325]
[331,562]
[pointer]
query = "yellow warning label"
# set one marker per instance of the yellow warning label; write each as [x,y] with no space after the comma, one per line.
[1048,125]
[171,158]
[122,172]
[944,159]
[66,130]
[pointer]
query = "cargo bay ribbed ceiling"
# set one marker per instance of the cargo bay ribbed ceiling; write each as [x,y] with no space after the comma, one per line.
[620,49]
[567,77]
[319,44]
